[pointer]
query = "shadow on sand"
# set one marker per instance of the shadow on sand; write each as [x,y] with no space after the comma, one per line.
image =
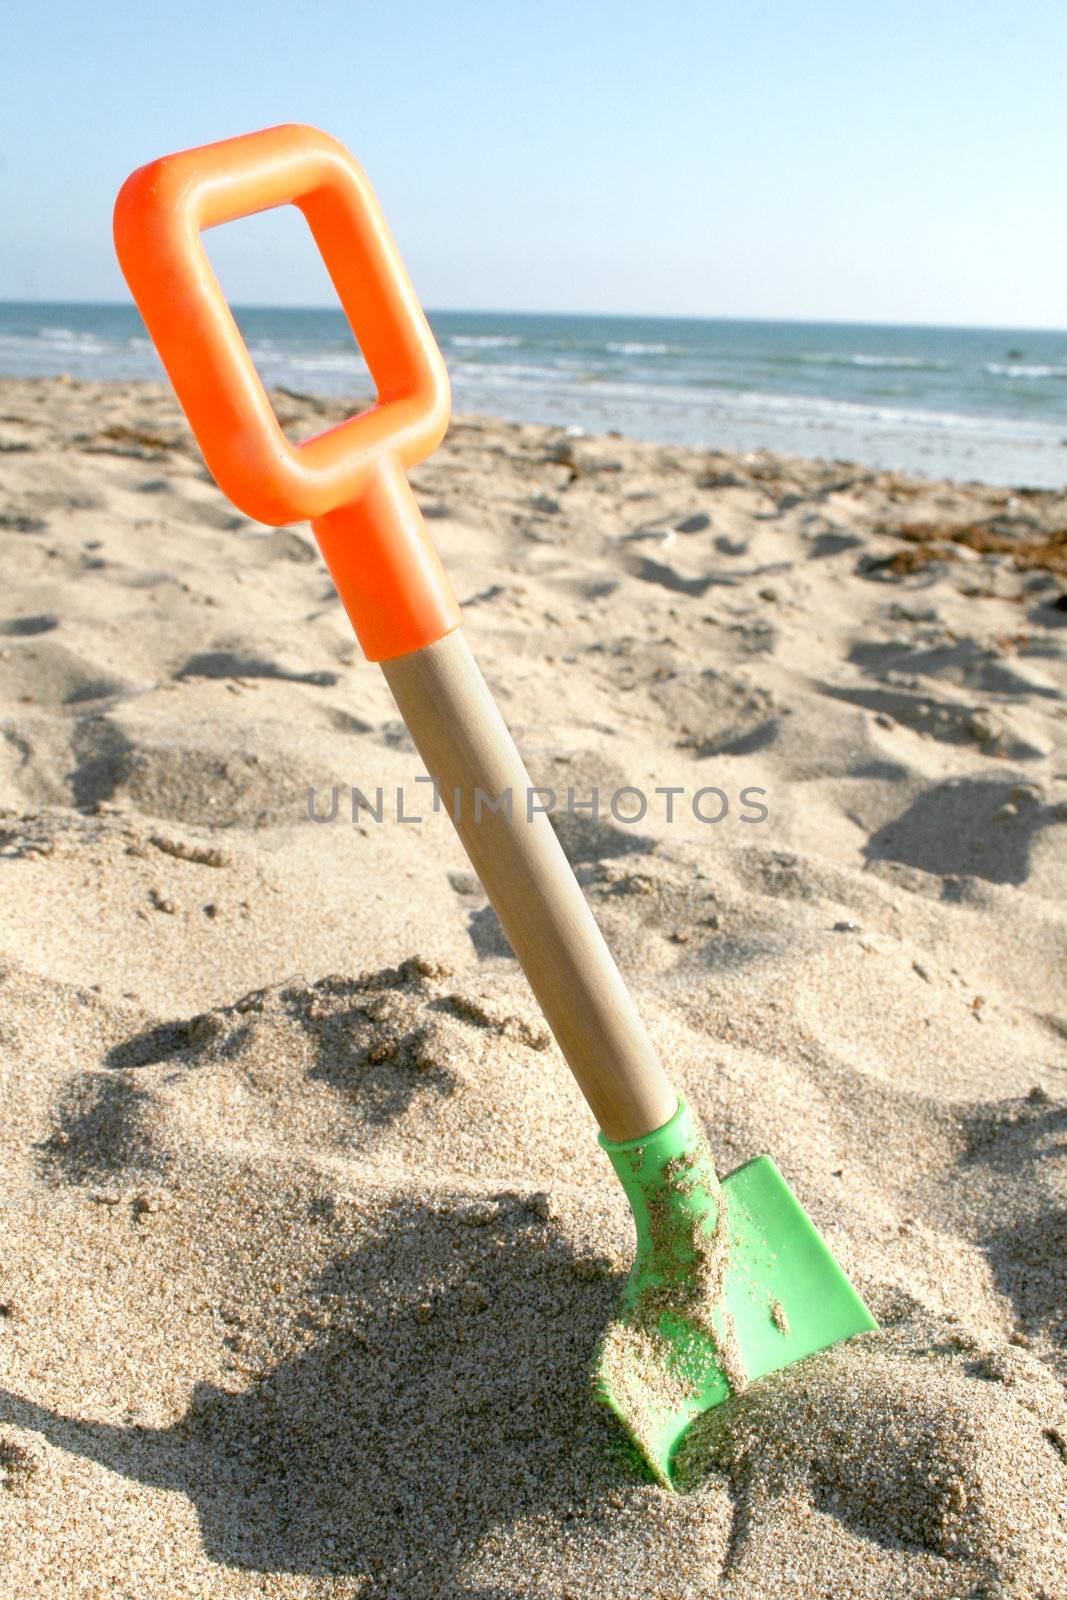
[443,1393]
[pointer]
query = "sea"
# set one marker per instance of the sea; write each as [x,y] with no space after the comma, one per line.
[987,404]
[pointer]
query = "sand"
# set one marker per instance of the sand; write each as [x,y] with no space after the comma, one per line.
[307,1239]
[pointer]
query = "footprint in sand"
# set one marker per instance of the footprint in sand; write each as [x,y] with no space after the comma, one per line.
[29,627]
[967,827]
[49,674]
[718,713]
[225,663]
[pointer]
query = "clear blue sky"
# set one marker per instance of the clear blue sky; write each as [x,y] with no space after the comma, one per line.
[833,159]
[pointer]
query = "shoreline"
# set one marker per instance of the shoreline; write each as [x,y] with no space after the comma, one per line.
[985,405]
[947,449]
[994,451]
[998,452]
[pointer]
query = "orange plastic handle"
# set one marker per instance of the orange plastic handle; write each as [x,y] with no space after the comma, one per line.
[351,479]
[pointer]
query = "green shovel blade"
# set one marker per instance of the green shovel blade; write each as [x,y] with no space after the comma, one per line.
[731,1282]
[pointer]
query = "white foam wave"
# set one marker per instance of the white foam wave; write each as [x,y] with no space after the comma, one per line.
[484,341]
[329,361]
[501,372]
[66,341]
[1005,369]
[710,403]
[859,358]
[634,347]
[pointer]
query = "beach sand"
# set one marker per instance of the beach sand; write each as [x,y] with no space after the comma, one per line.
[307,1240]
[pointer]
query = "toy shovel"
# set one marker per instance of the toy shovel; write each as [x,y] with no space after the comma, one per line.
[731,1281]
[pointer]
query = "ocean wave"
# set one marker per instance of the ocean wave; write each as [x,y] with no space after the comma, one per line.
[329,361]
[511,386]
[500,372]
[66,341]
[1005,369]
[483,341]
[859,358]
[63,341]
[634,347]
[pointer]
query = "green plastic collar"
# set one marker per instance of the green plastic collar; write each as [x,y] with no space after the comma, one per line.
[673,1192]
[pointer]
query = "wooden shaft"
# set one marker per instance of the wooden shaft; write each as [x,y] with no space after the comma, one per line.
[468,750]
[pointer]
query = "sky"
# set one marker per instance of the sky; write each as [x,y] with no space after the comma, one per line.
[832,160]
